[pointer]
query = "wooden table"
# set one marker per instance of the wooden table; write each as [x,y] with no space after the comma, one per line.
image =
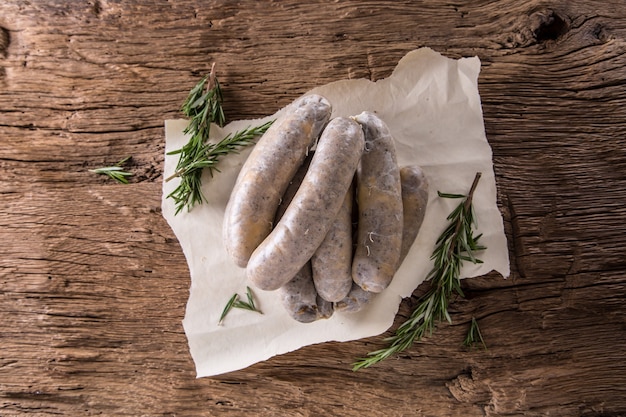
[94,283]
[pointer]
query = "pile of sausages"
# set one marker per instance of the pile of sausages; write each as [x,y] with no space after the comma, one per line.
[321,211]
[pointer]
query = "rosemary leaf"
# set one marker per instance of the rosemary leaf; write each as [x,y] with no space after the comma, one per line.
[456,244]
[229,306]
[115,172]
[251,299]
[474,336]
[448,195]
[248,305]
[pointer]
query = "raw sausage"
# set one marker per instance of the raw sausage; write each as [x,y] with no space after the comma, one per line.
[299,296]
[293,187]
[325,309]
[414,201]
[332,261]
[267,172]
[300,299]
[308,218]
[356,299]
[379,201]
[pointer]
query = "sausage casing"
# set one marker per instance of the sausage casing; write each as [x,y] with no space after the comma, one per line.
[332,261]
[300,299]
[379,201]
[356,299]
[266,173]
[299,296]
[414,201]
[308,218]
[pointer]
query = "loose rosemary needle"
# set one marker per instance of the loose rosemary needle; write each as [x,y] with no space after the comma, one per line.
[455,245]
[249,305]
[235,302]
[204,106]
[474,337]
[116,172]
[229,306]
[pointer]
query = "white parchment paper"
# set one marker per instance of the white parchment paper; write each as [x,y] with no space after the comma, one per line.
[432,106]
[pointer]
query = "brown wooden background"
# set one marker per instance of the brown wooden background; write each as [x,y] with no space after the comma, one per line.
[93,283]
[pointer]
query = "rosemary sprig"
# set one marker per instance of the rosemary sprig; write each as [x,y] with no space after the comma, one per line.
[204,106]
[116,172]
[474,336]
[189,192]
[235,302]
[208,156]
[456,244]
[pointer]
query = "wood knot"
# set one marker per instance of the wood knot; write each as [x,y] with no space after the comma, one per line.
[598,34]
[467,389]
[548,25]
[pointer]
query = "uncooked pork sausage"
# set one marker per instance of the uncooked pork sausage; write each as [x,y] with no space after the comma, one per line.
[414,203]
[299,296]
[308,218]
[379,201]
[332,261]
[267,172]
[300,299]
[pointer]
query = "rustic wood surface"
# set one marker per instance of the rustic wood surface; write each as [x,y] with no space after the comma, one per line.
[93,283]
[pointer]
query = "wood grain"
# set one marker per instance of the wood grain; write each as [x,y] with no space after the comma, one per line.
[94,284]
